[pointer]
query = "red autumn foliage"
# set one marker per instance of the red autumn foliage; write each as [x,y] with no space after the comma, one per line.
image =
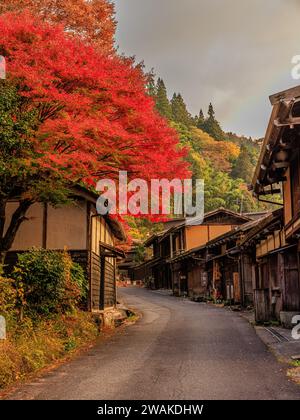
[91,20]
[96,116]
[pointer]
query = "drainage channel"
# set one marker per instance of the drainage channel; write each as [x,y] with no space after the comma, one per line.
[279,337]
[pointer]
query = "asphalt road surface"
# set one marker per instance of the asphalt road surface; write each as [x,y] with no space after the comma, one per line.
[177,350]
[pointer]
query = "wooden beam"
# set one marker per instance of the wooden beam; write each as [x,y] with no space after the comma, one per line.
[45,225]
[286,95]
[265,147]
[270,192]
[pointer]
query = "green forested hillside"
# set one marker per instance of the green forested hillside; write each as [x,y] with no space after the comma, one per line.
[224,160]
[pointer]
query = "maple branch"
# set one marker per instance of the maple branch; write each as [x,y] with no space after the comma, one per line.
[49,110]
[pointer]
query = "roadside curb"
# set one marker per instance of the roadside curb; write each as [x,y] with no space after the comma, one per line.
[283,348]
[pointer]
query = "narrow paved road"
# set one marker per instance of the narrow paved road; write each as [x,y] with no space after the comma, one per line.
[178,350]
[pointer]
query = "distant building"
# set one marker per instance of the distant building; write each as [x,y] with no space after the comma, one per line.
[167,268]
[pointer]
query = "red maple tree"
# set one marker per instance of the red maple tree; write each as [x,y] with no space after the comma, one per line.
[94,114]
[93,21]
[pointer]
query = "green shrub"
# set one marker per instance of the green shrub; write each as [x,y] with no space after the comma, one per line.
[50,281]
[71,344]
[8,295]
[79,278]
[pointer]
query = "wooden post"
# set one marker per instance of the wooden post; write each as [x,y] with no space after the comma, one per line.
[281,273]
[45,225]
[241,280]
[171,245]
[115,283]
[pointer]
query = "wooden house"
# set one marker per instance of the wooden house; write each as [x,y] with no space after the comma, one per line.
[157,273]
[217,269]
[171,248]
[89,238]
[229,268]
[278,169]
[265,248]
[192,279]
[190,274]
[126,266]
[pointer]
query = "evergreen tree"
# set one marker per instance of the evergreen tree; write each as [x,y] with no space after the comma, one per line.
[243,167]
[212,126]
[162,102]
[201,120]
[195,120]
[151,86]
[211,112]
[180,113]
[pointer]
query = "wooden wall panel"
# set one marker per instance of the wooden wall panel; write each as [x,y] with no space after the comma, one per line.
[196,236]
[199,235]
[248,278]
[67,227]
[270,243]
[109,285]
[95,281]
[197,286]
[262,305]
[277,239]
[218,230]
[291,300]
[30,233]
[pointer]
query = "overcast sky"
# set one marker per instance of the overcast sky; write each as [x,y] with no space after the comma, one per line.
[234,53]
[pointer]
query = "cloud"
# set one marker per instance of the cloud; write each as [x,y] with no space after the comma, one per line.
[231,52]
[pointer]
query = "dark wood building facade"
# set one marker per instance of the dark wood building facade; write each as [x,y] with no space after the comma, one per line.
[174,264]
[219,269]
[268,254]
[278,170]
[230,268]
[191,276]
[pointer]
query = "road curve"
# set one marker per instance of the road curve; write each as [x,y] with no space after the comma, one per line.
[177,350]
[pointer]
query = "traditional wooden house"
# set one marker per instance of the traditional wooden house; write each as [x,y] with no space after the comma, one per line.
[126,266]
[279,166]
[156,271]
[189,273]
[229,268]
[264,246]
[89,238]
[217,269]
[171,248]
[192,279]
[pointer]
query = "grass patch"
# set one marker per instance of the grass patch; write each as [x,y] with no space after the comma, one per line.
[35,343]
[294,374]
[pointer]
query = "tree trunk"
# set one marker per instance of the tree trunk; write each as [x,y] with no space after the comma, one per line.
[8,237]
[21,313]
